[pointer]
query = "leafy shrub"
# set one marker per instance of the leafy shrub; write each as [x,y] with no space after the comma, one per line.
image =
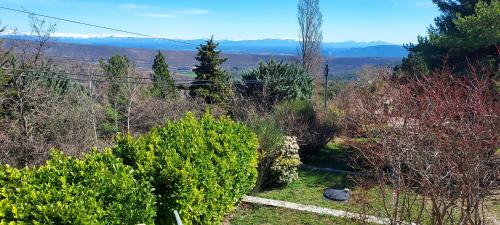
[199,167]
[284,167]
[271,139]
[295,119]
[313,125]
[278,81]
[278,154]
[96,190]
[301,108]
[324,127]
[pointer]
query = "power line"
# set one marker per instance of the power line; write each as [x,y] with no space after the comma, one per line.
[96,26]
[63,75]
[61,72]
[127,77]
[90,75]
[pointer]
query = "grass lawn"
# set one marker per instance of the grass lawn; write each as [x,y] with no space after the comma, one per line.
[248,214]
[334,155]
[309,188]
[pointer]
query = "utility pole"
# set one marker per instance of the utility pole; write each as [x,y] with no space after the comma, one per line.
[327,71]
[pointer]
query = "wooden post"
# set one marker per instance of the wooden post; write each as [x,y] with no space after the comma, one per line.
[327,71]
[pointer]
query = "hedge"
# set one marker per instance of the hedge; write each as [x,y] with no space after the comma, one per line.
[199,167]
[98,189]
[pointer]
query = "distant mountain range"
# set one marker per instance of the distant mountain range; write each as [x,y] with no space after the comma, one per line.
[264,46]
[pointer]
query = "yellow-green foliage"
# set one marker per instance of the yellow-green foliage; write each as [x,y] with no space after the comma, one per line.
[96,190]
[200,168]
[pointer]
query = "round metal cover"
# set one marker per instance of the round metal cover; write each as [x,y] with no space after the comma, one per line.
[337,195]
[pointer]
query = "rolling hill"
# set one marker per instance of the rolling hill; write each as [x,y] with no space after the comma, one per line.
[263,46]
[182,61]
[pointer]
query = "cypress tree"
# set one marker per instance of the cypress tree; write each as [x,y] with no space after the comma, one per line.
[212,82]
[163,84]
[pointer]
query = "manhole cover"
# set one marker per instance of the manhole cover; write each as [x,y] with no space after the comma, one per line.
[337,195]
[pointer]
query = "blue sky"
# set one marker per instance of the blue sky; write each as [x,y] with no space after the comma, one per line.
[395,21]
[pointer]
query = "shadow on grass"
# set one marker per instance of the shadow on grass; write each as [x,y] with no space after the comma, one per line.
[334,155]
[311,178]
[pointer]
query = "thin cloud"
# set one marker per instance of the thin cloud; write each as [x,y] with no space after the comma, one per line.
[158,15]
[133,6]
[194,11]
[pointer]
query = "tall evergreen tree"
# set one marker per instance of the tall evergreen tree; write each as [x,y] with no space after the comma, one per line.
[5,91]
[116,69]
[163,84]
[212,82]
[451,9]
[466,32]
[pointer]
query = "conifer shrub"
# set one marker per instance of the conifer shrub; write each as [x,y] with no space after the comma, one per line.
[199,167]
[98,189]
[275,81]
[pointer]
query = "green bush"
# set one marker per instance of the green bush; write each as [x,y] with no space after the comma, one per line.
[278,81]
[271,139]
[298,108]
[312,124]
[96,190]
[200,168]
[278,155]
[296,118]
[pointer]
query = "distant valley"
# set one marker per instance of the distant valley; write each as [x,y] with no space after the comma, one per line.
[344,58]
[264,46]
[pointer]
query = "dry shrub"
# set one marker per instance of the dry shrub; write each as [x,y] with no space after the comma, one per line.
[352,100]
[149,111]
[47,120]
[26,113]
[431,145]
[70,125]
